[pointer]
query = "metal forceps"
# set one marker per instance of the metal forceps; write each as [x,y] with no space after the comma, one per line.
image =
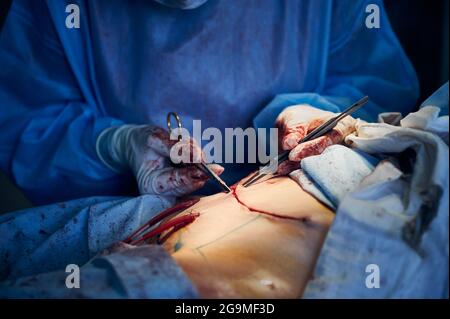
[267,172]
[202,166]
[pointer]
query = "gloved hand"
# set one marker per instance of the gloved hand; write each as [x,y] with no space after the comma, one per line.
[146,151]
[297,121]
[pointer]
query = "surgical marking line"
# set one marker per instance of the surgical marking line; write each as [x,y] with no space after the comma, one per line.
[229,232]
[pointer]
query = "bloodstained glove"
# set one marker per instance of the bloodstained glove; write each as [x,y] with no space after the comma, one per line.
[295,122]
[146,151]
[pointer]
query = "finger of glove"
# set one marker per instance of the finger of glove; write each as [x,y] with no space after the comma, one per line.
[159,140]
[296,121]
[178,181]
[290,128]
[286,167]
[297,114]
[293,135]
[187,152]
[346,126]
[315,146]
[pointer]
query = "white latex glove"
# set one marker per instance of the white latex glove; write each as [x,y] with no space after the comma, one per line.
[296,121]
[145,150]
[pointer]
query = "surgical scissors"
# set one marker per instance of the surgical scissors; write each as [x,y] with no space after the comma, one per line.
[269,170]
[202,166]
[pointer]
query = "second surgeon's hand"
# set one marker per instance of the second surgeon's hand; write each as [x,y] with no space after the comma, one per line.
[295,122]
[146,151]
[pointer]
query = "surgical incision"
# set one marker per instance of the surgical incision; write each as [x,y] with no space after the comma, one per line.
[258,242]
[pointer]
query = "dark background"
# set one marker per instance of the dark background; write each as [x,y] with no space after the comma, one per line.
[421,25]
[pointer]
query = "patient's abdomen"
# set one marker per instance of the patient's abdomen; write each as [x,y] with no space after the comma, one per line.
[260,242]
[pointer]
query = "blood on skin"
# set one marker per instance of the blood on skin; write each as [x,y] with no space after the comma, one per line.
[164,214]
[176,222]
[173,225]
[234,193]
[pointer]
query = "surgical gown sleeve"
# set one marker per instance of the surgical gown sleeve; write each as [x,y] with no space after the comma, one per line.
[358,61]
[48,123]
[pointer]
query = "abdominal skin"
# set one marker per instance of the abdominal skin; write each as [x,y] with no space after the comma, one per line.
[255,242]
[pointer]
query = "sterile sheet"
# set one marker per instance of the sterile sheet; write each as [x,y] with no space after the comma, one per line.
[395,222]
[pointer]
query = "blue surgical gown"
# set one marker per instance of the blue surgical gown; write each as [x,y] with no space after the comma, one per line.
[228,63]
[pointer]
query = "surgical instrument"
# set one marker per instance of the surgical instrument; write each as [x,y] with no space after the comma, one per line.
[202,165]
[268,171]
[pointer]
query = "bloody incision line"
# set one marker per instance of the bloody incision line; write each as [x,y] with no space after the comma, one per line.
[234,193]
[177,223]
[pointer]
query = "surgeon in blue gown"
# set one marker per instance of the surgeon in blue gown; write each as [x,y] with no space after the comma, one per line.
[228,63]
[80,110]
